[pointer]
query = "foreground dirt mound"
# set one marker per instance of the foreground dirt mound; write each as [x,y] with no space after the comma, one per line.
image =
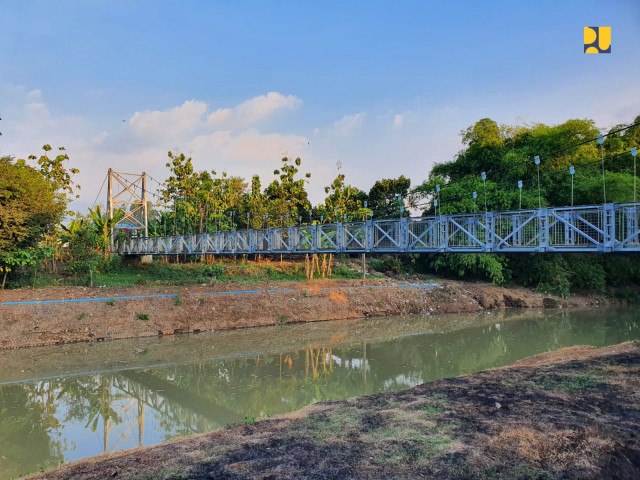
[160,310]
[574,414]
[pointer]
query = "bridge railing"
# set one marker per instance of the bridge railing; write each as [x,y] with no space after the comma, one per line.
[592,228]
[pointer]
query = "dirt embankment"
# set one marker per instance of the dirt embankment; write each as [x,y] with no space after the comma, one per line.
[574,413]
[168,310]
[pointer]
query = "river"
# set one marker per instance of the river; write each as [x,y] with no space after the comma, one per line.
[60,404]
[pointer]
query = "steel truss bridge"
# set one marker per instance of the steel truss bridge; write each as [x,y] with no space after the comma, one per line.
[602,228]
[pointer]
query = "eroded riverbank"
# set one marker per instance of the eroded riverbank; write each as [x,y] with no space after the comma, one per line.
[571,414]
[39,317]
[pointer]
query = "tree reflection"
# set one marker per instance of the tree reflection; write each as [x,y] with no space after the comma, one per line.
[202,396]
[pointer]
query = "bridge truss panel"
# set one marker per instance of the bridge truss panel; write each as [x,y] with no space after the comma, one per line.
[627,227]
[596,228]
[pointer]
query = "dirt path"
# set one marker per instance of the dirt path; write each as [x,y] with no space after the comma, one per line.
[176,309]
[571,414]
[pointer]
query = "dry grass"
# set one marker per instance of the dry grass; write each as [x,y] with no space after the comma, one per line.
[557,449]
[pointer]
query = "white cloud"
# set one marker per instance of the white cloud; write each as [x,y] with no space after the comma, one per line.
[348,124]
[248,148]
[397,121]
[35,94]
[252,111]
[168,125]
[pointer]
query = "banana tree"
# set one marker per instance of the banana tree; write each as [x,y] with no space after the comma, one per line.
[103,225]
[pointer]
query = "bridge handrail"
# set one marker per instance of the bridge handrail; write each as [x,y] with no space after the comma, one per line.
[583,228]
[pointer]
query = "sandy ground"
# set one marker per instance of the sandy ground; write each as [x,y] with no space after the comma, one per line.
[574,413]
[196,308]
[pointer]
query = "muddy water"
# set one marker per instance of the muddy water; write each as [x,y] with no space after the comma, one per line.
[64,403]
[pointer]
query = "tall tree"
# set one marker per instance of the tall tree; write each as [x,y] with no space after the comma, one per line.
[343,199]
[287,194]
[383,196]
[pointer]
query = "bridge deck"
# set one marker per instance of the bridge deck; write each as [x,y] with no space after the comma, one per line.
[595,228]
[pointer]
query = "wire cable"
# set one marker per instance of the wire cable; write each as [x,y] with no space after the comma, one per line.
[100,191]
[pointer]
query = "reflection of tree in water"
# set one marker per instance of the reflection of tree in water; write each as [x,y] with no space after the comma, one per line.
[202,396]
[27,417]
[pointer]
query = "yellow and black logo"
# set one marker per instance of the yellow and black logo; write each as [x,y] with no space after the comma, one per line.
[597,39]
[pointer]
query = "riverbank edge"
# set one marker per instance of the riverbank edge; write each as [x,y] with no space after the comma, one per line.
[62,315]
[571,413]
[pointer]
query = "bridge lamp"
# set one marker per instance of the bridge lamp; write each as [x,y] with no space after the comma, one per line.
[300,220]
[483,175]
[435,206]
[248,215]
[634,152]
[287,215]
[364,205]
[474,195]
[604,187]
[399,200]
[321,218]
[280,220]
[438,192]
[520,190]
[310,216]
[572,172]
[344,217]
[536,160]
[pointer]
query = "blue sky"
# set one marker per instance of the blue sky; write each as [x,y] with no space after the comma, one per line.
[382,87]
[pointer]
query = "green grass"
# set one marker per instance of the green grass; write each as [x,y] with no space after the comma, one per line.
[432,409]
[162,274]
[143,316]
[575,383]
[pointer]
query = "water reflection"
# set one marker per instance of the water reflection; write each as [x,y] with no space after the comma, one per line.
[45,422]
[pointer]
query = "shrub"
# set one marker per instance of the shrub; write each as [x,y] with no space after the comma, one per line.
[488,266]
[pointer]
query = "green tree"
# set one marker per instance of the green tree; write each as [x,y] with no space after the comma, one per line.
[383,195]
[506,154]
[287,195]
[343,199]
[29,209]
[55,172]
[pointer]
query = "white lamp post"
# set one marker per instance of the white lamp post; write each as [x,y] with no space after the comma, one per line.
[572,171]
[634,152]
[520,191]
[483,175]
[536,160]
[604,187]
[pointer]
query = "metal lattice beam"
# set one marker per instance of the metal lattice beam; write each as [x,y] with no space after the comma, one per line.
[595,228]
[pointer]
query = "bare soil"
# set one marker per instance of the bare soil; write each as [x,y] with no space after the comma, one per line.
[574,413]
[196,309]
